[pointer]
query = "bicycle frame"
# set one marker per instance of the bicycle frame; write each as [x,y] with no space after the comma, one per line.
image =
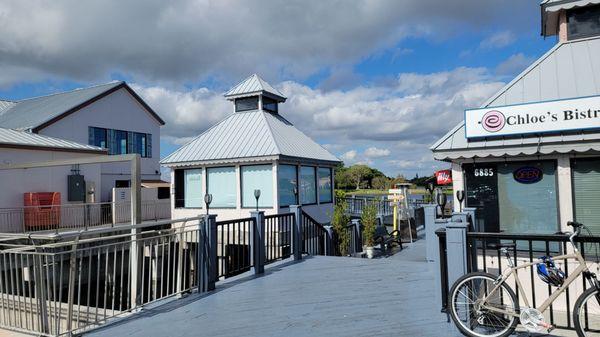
[513,271]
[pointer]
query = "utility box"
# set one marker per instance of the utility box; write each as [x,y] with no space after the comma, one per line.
[76,188]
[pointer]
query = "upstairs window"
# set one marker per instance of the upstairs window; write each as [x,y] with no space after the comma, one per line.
[98,137]
[269,104]
[583,22]
[222,184]
[121,142]
[257,177]
[246,104]
[287,185]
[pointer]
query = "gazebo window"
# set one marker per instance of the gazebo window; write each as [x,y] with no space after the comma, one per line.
[325,190]
[269,104]
[287,185]
[246,103]
[222,184]
[188,188]
[257,177]
[308,185]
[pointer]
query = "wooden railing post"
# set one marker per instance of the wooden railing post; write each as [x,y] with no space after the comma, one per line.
[297,232]
[258,241]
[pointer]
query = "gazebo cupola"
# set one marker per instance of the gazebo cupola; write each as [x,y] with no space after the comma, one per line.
[254,93]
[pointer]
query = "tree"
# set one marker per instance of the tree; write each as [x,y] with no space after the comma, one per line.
[357,173]
[381,183]
[339,221]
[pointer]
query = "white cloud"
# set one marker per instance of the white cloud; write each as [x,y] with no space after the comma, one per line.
[349,156]
[190,40]
[514,64]
[374,152]
[498,40]
[365,124]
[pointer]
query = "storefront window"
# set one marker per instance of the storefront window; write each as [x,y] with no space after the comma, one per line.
[222,184]
[513,197]
[287,186]
[527,197]
[586,193]
[257,177]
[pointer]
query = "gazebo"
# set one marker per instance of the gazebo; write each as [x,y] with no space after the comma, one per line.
[254,148]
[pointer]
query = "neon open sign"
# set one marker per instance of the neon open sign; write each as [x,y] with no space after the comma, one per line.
[528,175]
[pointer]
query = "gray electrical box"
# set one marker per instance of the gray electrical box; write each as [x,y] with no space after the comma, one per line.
[76,188]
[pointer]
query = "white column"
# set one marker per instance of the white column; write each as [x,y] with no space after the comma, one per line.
[565,188]
[275,188]
[458,183]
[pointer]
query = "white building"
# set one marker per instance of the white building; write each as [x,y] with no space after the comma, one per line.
[529,157]
[254,148]
[110,116]
[17,147]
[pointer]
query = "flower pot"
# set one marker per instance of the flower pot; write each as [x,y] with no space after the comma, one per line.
[370,251]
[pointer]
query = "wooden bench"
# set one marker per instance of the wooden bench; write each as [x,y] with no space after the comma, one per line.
[387,239]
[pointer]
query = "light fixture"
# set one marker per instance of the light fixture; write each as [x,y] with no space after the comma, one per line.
[257,195]
[207,201]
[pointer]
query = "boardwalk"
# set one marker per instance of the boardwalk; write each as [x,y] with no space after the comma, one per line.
[321,296]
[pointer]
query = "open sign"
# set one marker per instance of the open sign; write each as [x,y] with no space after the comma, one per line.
[528,175]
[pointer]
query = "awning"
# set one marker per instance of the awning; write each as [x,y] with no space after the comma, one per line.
[155,183]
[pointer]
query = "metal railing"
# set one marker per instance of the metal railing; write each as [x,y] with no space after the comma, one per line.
[77,216]
[278,236]
[529,247]
[67,288]
[234,246]
[313,236]
[356,205]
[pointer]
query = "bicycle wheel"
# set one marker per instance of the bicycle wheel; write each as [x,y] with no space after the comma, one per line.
[477,319]
[586,314]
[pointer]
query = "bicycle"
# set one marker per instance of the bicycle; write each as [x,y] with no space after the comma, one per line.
[483,304]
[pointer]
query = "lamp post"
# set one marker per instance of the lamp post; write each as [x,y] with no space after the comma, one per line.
[207,201]
[257,196]
[429,189]
[296,195]
[441,200]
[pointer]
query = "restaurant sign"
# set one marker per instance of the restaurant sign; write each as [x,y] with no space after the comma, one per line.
[443,177]
[542,117]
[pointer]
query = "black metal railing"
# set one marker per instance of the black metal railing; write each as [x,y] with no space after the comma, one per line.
[357,205]
[313,236]
[354,232]
[481,256]
[234,246]
[278,236]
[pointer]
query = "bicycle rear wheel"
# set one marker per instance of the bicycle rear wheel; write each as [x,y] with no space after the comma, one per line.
[477,319]
[586,315]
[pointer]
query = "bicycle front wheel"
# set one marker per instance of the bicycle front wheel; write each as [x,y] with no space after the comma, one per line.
[479,308]
[586,315]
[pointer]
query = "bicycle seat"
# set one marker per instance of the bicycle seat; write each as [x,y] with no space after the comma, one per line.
[574,224]
[501,245]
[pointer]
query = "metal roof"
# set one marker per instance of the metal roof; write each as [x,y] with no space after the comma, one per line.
[252,85]
[570,69]
[551,9]
[31,113]
[15,138]
[252,135]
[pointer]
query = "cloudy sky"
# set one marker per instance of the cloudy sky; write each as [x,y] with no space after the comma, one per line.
[374,81]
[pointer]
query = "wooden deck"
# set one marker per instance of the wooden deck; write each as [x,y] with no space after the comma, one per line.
[320,296]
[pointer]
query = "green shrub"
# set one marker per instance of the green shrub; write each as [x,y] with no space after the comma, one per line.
[368,218]
[339,222]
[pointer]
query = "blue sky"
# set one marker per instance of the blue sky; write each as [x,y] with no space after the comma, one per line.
[375,83]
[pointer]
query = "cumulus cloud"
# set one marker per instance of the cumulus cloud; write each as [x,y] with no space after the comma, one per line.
[366,124]
[192,40]
[514,64]
[498,40]
[374,152]
[349,156]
